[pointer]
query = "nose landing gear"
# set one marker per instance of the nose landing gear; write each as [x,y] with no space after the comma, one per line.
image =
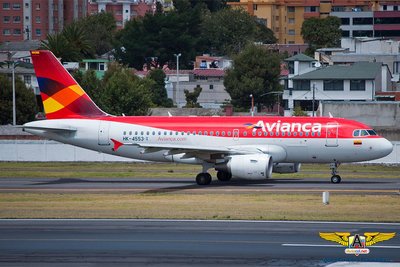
[335,179]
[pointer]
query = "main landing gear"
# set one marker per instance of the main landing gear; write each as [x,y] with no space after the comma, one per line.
[335,177]
[203,178]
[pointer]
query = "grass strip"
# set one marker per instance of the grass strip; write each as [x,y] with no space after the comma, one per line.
[372,208]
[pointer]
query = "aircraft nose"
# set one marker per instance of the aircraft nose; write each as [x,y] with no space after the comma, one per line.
[385,147]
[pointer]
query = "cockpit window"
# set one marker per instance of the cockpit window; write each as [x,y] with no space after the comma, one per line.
[364,133]
[357,133]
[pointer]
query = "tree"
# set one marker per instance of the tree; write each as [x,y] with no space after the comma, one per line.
[191,98]
[126,93]
[256,71]
[60,47]
[77,37]
[229,31]
[298,112]
[26,105]
[321,32]
[154,39]
[159,95]
[100,30]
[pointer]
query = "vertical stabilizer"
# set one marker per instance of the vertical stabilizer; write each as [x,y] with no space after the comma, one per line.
[62,96]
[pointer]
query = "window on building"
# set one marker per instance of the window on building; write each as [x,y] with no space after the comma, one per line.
[133,12]
[311,9]
[333,85]
[26,4]
[384,7]
[211,86]
[6,32]
[16,19]
[93,12]
[345,21]
[101,66]
[255,7]
[363,33]
[291,67]
[345,33]
[301,85]
[396,67]
[338,9]
[37,19]
[362,21]
[6,19]
[291,20]
[6,5]
[119,23]
[55,7]
[26,17]
[291,32]
[37,5]
[16,6]
[292,42]
[357,85]
[38,32]
[17,32]
[291,9]
[27,79]
[118,12]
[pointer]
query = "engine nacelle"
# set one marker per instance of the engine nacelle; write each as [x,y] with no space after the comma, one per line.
[286,167]
[252,166]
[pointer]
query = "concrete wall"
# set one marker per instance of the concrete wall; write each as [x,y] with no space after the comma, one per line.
[45,150]
[374,114]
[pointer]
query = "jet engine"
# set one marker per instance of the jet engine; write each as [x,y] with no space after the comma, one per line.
[286,167]
[251,166]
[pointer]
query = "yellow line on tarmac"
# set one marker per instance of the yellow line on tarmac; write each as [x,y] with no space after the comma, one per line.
[197,190]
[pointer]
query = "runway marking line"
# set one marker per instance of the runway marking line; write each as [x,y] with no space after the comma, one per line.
[200,190]
[317,245]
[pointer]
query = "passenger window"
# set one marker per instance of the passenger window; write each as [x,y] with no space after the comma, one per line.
[229,133]
[159,133]
[306,133]
[147,132]
[130,133]
[141,133]
[254,133]
[217,133]
[319,133]
[205,133]
[176,133]
[283,133]
[170,133]
[183,133]
[194,132]
[289,134]
[259,133]
[154,133]
[301,133]
[165,133]
[265,133]
[200,133]
[223,133]
[294,134]
[312,134]
[277,133]
[188,133]
[271,134]
[356,133]
[211,133]
[244,133]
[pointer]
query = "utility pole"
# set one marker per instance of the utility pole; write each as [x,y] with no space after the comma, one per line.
[13,86]
[252,105]
[177,78]
[313,100]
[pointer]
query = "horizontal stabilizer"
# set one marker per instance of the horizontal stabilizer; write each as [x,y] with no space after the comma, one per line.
[50,129]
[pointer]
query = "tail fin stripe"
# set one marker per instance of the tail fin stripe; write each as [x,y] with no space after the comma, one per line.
[61,95]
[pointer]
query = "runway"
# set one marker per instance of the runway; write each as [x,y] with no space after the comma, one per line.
[180,242]
[188,185]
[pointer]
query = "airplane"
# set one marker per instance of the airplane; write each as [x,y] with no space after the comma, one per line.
[245,147]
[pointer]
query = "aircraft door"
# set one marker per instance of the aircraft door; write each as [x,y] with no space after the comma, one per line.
[332,134]
[104,139]
[236,134]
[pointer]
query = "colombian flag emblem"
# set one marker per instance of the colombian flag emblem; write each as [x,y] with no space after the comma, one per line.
[357,142]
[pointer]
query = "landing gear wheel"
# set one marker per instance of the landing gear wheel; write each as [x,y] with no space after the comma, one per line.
[224,176]
[336,179]
[203,178]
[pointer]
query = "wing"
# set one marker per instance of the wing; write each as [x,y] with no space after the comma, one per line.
[341,238]
[372,238]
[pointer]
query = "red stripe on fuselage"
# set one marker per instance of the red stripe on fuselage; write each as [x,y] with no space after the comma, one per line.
[226,124]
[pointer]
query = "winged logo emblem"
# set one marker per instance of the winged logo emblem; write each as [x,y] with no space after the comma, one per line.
[357,244]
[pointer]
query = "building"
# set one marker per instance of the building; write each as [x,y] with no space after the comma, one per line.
[359,18]
[309,83]
[124,10]
[34,19]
